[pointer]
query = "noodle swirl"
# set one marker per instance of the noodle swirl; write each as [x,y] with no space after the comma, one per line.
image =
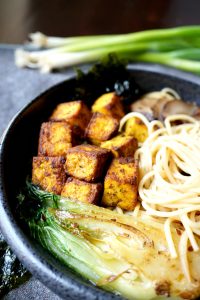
[169,187]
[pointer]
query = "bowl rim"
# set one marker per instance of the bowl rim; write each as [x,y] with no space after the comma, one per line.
[18,240]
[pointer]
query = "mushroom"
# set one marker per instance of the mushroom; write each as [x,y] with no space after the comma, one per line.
[180,107]
[159,106]
[145,106]
[151,104]
[155,106]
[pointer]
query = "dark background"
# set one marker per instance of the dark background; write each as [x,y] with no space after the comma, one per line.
[18,18]
[79,17]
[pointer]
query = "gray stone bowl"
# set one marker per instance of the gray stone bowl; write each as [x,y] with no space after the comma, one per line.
[19,144]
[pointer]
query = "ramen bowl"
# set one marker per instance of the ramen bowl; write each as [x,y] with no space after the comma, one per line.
[19,145]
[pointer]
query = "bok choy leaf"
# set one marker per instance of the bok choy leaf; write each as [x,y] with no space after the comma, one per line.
[120,253]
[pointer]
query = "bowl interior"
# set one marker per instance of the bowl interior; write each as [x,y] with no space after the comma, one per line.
[19,145]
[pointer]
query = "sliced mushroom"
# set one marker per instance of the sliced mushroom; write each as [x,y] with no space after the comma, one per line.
[159,106]
[180,107]
[145,106]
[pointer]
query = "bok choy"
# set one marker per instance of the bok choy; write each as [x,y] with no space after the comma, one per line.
[158,46]
[120,253]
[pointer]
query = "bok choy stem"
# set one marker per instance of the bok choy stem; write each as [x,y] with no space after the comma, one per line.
[86,259]
[85,245]
[119,253]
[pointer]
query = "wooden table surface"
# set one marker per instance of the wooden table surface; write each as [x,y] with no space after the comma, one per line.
[80,17]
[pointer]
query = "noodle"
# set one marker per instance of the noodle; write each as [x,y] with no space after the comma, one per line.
[183,255]
[168,93]
[169,186]
[169,237]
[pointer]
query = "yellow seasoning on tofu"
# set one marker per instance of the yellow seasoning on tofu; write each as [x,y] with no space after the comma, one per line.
[121,145]
[121,184]
[55,139]
[75,113]
[109,104]
[86,162]
[136,128]
[101,128]
[48,173]
[82,191]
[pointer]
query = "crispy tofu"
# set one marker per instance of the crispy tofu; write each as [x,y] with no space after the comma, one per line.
[101,128]
[86,162]
[121,145]
[82,191]
[109,104]
[49,173]
[121,184]
[75,113]
[136,128]
[55,139]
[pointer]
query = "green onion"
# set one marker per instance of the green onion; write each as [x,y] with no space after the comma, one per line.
[101,40]
[158,46]
[40,40]
[176,59]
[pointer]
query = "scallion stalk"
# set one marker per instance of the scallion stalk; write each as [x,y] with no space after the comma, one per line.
[110,39]
[40,40]
[173,60]
[192,53]
[176,47]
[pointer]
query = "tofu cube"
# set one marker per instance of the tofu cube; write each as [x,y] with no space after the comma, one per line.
[109,104]
[49,173]
[74,113]
[136,128]
[82,191]
[86,162]
[101,128]
[121,184]
[121,145]
[55,139]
